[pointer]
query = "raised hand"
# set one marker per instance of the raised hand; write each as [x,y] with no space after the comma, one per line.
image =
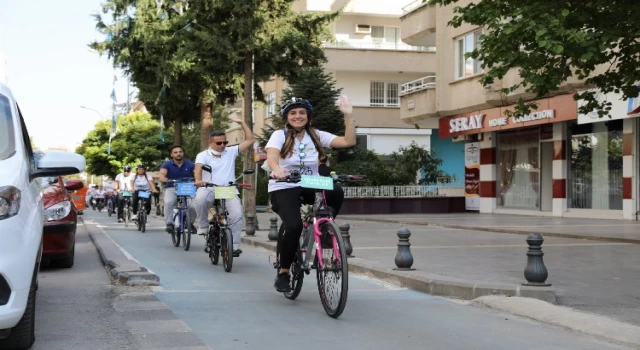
[345,106]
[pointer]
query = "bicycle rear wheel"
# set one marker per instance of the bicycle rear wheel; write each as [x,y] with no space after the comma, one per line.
[186,230]
[214,244]
[333,277]
[226,247]
[297,276]
[175,235]
[125,216]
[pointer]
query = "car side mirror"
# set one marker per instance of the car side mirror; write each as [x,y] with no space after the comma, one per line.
[206,168]
[56,163]
[248,171]
[73,185]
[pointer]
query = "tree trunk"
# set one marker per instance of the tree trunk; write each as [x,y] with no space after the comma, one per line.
[249,195]
[177,136]
[206,123]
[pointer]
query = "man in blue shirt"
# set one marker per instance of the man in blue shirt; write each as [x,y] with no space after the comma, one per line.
[177,168]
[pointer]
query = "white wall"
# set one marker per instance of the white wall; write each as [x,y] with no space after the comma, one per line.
[387,141]
[344,27]
[357,85]
[388,8]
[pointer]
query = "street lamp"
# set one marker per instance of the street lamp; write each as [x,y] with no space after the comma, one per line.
[91,109]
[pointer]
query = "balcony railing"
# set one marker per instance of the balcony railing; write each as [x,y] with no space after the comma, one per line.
[428,82]
[439,190]
[364,45]
[414,5]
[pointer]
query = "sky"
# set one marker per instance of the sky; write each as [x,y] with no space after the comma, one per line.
[51,70]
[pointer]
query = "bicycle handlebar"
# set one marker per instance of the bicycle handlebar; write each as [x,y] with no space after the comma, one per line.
[295,177]
[237,185]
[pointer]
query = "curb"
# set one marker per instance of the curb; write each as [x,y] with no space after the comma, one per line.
[496,230]
[121,268]
[599,326]
[430,283]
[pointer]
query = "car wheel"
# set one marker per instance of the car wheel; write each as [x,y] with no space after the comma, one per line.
[23,334]
[68,261]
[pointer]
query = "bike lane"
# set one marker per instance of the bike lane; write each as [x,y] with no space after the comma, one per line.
[242,310]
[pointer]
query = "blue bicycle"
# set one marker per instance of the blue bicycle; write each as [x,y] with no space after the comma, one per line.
[185,191]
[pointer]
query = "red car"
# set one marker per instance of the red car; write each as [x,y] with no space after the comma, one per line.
[60,219]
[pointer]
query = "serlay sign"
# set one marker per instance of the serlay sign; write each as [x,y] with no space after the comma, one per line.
[550,110]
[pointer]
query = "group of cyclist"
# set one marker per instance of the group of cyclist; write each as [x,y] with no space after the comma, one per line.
[298,147]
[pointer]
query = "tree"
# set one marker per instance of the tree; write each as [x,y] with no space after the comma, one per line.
[550,41]
[414,162]
[136,142]
[318,87]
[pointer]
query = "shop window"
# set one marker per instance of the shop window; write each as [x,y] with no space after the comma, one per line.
[518,169]
[595,165]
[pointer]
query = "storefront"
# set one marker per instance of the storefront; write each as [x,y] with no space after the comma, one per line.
[549,162]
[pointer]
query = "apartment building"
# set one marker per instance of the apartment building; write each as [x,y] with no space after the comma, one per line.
[369,62]
[552,162]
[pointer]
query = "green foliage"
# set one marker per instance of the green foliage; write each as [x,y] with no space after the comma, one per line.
[191,143]
[358,161]
[548,42]
[413,161]
[137,141]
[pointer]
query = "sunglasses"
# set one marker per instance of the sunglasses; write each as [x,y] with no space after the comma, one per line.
[222,143]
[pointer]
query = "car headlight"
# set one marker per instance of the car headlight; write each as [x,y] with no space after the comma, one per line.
[57,211]
[9,202]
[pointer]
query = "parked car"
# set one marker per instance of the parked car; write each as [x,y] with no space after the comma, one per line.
[60,219]
[21,221]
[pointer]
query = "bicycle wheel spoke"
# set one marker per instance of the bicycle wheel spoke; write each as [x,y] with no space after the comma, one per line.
[333,276]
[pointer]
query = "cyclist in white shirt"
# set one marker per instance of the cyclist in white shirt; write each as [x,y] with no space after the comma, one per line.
[91,193]
[122,183]
[222,160]
[141,181]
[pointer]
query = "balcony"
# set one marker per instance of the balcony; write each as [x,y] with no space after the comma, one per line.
[418,100]
[418,24]
[382,8]
[355,55]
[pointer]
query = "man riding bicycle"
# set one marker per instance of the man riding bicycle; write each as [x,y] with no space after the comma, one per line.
[122,183]
[222,160]
[300,147]
[175,169]
[141,182]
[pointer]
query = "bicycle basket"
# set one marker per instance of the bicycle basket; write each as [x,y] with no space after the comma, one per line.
[185,189]
[225,192]
[144,194]
[126,194]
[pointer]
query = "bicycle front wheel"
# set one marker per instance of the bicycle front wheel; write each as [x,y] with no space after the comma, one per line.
[333,277]
[226,245]
[186,231]
[175,235]
[142,220]
[125,216]
[214,244]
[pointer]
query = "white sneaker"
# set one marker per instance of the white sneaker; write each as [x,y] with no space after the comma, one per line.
[134,217]
[202,231]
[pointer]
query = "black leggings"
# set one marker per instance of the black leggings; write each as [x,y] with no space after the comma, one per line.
[134,204]
[286,204]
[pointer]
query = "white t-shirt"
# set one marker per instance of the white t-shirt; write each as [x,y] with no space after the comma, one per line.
[124,181]
[109,185]
[141,182]
[308,165]
[223,168]
[92,192]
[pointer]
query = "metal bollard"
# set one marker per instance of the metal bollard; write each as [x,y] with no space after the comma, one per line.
[404,259]
[251,225]
[273,229]
[535,272]
[344,231]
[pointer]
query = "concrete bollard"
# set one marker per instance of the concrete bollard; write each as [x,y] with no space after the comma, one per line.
[344,231]
[273,229]
[404,259]
[251,225]
[535,272]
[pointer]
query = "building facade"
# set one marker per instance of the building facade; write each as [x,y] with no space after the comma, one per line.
[551,162]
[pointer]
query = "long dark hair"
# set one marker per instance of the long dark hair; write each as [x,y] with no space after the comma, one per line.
[287,149]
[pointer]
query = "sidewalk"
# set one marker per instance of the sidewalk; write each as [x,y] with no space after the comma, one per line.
[596,271]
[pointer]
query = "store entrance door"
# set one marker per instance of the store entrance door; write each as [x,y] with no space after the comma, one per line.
[546,176]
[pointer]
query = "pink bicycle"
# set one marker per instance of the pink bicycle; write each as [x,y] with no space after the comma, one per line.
[332,271]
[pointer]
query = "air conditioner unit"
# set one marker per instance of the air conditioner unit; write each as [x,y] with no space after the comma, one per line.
[363,29]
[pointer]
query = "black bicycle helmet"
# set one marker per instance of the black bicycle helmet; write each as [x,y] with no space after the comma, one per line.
[127,168]
[141,166]
[293,103]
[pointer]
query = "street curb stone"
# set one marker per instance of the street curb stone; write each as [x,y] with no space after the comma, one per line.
[496,230]
[587,323]
[121,268]
[430,283]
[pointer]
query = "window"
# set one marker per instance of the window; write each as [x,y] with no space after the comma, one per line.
[384,94]
[518,169]
[467,66]
[595,165]
[270,111]
[361,142]
[7,144]
[387,37]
